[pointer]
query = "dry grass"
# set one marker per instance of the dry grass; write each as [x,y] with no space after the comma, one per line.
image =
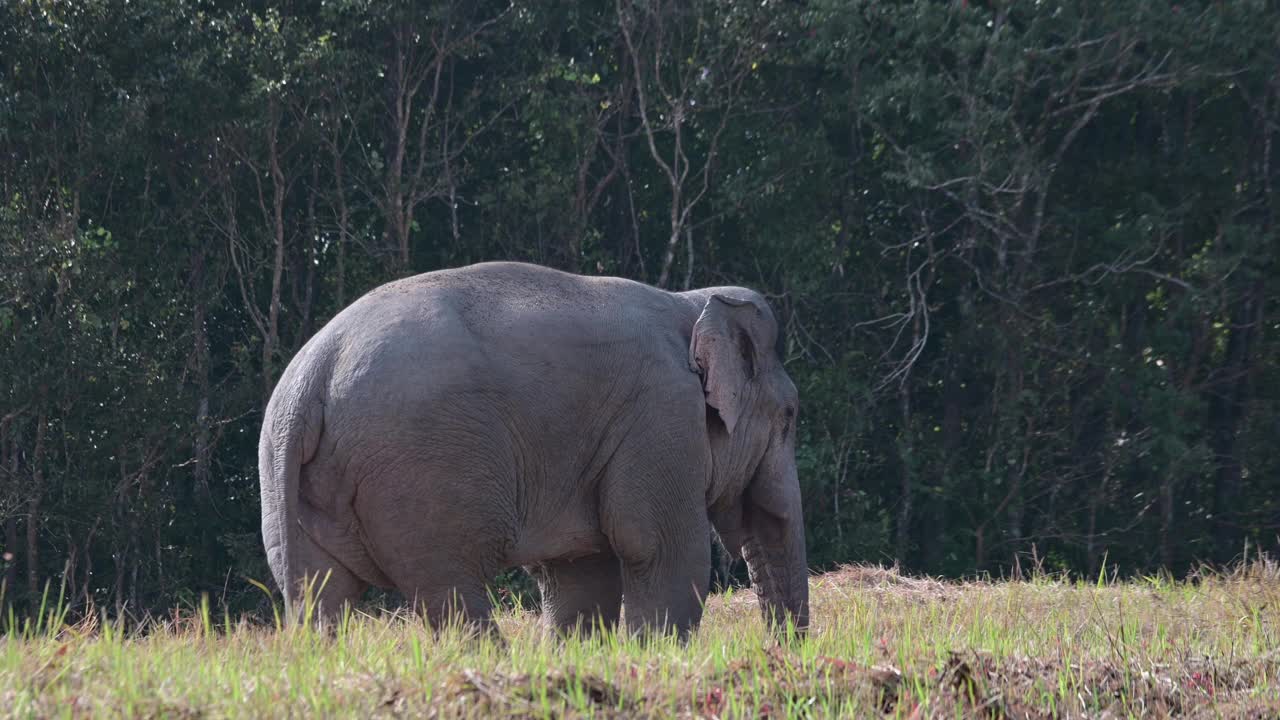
[882,644]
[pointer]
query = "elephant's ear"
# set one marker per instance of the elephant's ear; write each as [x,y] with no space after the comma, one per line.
[724,352]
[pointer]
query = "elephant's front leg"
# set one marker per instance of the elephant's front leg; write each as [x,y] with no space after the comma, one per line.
[582,594]
[665,589]
[661,536]
[653,511]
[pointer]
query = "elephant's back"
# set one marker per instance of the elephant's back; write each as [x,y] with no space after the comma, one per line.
[495,297]
[501,332]
[389,346]
[527,312]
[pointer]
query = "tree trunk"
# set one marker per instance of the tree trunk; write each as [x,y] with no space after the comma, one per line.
[1017,507]
[200,362]
[198,494]
[902,544]
[1166,519]
[33,508]
[271,339]
[309,257]
[940,505]
[668,257]
[344,224]
[400,97]
[10,559]
[9,456]
[1226,408]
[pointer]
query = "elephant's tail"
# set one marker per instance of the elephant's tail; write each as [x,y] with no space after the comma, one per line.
[291,430]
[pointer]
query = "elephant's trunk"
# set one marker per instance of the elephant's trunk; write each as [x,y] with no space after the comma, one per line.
[775,553]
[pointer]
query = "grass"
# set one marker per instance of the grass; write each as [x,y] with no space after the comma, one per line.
[882,645]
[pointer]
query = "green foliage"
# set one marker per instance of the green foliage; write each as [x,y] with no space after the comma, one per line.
[1025,253]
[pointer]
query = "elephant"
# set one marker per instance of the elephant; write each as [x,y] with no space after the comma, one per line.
[450,425]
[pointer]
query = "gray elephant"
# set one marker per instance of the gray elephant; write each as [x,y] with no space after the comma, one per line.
[450,425]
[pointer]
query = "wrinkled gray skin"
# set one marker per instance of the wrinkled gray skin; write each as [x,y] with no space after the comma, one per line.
[451,425]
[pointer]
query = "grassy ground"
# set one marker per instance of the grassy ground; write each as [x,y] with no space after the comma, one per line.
[881,645]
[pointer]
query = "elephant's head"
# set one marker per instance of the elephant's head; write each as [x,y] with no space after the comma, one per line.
[754,498]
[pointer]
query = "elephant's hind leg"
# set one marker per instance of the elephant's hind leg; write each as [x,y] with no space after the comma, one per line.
[442,567]
[324,584]
[440,563]
[585,593]
[435,521]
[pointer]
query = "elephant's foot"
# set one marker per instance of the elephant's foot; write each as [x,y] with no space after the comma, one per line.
[667,595]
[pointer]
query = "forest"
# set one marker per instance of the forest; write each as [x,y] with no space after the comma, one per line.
[1026,253]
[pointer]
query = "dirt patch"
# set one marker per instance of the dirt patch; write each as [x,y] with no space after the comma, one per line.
[975,685]
[560,694]
[785,683]
[873,579]
[880,579]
